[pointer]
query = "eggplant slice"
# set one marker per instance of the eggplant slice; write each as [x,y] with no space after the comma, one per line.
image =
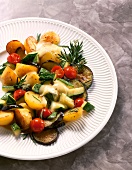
[77,84]
[46,137]
[86,76]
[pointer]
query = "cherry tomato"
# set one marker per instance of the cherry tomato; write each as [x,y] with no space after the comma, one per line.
[37,125]
[44,113]
[18,94]
[78,102]
[70,72]
[14,58]
[58,71]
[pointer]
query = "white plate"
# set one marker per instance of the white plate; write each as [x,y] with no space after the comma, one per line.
[102,94]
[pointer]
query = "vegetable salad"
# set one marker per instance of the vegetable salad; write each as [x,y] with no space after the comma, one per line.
[45,86]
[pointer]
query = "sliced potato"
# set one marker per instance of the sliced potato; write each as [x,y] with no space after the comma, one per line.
[35,101]
[13,46]
[50,36]
[73,114]
[23,117]
[8,77]
[48,51]
[6,117]
[24,105]
[30,44]
[22,69]
[32,78]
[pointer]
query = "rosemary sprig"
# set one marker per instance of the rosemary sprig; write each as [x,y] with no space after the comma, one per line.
[74,56]
[20,83]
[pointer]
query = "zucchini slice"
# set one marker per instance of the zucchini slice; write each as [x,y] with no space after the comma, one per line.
[85,76]
[76,84]
[46,137]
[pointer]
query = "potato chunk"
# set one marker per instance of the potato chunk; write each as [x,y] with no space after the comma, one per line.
[8,77]
[22,69]
[30,44]
[23,118]
[73,114]
[50,36]
[6,117]
[35,101]
[13,46]
[32,78]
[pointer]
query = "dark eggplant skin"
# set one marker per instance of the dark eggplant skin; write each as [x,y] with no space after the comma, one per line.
[86,76]
[9,107]
[46,137]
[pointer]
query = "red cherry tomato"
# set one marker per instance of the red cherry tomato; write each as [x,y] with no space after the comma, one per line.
[44,113]
[78,102]
[70,72]
[14,58]
[58,71]
[37,125]
[18,94]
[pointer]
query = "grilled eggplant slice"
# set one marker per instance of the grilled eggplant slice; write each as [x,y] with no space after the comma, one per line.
[46,137]
[54,122]
[77,84]
[86,76]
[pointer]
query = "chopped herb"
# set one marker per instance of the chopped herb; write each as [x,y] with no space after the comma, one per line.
[45,75]
[36,88]
[29,58]
[10,100]
[20,83]
[36,98]
[52,116]
[38,37]
[88,107]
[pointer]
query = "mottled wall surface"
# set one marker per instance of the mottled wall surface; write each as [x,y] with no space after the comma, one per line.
[110,23]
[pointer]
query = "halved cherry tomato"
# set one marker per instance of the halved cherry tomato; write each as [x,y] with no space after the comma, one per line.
[18,94]
[44,113]
[37,125]
[78,102]
[58,71]
[14,58]
[70,72]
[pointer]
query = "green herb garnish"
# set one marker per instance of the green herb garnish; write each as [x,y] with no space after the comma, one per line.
[88,107]
[74,56]
[38,37]
[36,98]
[20,83]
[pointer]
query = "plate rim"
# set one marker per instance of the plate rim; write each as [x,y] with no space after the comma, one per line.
[114,98]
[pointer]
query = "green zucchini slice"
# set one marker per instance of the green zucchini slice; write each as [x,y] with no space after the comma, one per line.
[85,76]
[76,84]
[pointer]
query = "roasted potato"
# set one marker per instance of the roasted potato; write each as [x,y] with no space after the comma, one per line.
[23,118]
[73,114]
[30,44]
[22,69]
[32,78]
[35,101]
[24,105]
[50,36]
[8,77]
[6,117]
[13,46]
